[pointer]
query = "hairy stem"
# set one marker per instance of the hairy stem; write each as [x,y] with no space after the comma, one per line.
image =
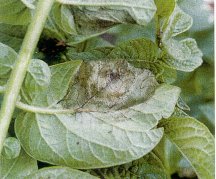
[18,73]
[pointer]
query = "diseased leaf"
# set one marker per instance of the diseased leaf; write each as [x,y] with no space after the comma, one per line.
[59,172]
[194,141]
[18,168]
[112,109]
[178,23]
[122,114]
[14,12]
[11,148]
[183,55]
[111,85]
[141,11]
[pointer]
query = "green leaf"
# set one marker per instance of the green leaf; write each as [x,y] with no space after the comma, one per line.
[18,167]
[172,159]
[204,82]
[182,104]
[205,41]
[140,52]
[7,59]
[178,23]
[92,19]
[29,3]
[183,55]
[148,167]
[11,148]
[12,35]
[64,18]
[14,12]
[167,74]
[205,113]
[37,79]
[61,76]
[64,142]
[59,172]
[141,11]
[38,70]
[165,8]
[119,136]
[125,32]
[194,141]
[94,54]
[51,30]
[168,154]
[199,12]
[208,111]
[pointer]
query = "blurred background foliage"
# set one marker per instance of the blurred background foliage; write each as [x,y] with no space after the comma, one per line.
[198,86]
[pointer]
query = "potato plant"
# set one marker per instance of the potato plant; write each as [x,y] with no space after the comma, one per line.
[106,89]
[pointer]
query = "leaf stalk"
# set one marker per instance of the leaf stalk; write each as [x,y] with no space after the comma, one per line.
[24,58]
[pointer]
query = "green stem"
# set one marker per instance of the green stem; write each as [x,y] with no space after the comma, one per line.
[18,73]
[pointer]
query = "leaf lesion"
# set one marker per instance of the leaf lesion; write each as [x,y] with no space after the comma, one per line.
[109,85]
